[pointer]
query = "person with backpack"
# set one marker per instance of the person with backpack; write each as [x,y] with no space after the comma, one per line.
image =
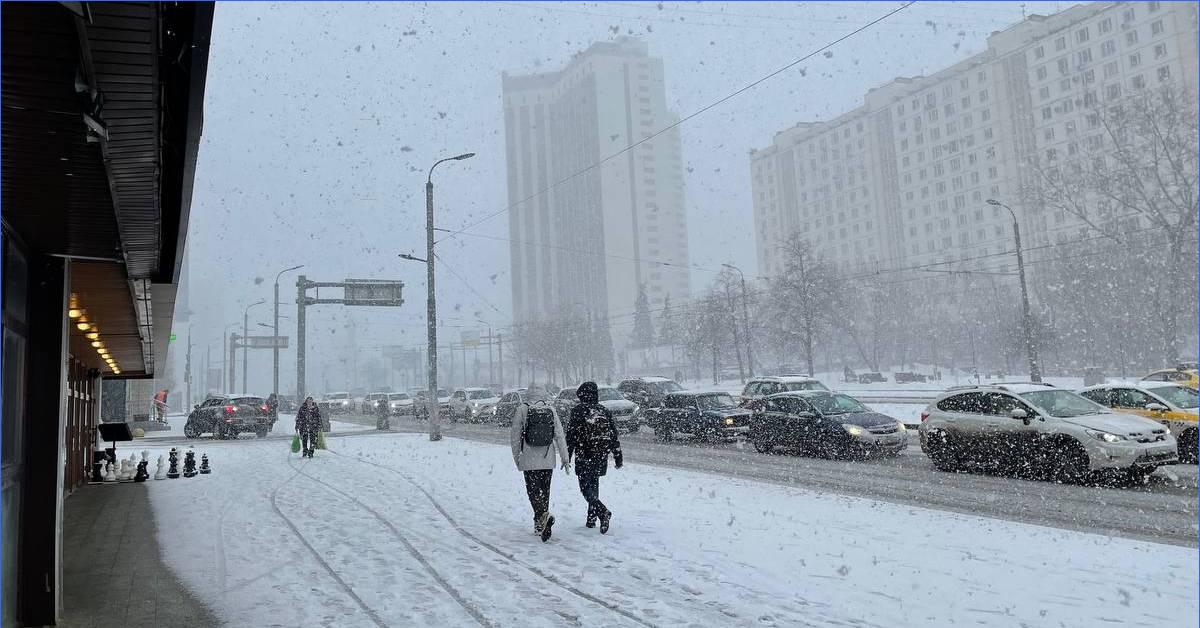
[308,425]
[535,435]
[591,437]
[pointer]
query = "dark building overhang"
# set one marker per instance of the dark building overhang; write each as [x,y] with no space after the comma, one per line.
[102,113]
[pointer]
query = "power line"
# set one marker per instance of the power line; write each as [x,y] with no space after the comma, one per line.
[690,116]
[468,284]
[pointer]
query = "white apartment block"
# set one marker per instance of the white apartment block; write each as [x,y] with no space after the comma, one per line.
[903,180]
[588,242]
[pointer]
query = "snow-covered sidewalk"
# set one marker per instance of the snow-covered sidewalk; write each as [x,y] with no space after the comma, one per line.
[393,530]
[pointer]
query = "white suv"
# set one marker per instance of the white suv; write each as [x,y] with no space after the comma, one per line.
[1040,430]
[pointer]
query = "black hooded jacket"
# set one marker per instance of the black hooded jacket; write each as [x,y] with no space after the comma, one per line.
[591,433]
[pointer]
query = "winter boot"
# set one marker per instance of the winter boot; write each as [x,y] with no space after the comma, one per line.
[544,524]
[605,519]
[591,521]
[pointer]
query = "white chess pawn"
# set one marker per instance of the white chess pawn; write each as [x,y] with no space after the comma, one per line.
[146,456]
[109,474]
[161,472]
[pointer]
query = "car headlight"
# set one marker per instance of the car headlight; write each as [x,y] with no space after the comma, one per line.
[900,426]
[854,430]
[728,420]
[635,409]
[1105,436]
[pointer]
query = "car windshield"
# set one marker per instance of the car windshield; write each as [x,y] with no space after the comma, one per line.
[442,392]
[719,401]
[836,404]
[1178,396]
[813,385]
[480,394]
[398,397]
[666,387]
[249,401]
[610,394]
[1062,404]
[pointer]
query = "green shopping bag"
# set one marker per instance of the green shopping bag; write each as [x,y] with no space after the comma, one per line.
[296,444]
[320,440]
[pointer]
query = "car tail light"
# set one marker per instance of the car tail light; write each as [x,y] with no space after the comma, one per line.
[924,415]
[266,408]
[230,409]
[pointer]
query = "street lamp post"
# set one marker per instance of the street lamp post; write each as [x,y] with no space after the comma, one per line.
[1031,350]
[229,366]
[275,349]
[745,318]
[435,433]
[245,324]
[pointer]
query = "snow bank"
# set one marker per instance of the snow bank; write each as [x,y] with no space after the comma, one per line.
[395,530]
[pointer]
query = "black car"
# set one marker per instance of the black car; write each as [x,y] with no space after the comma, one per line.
[825,423]
[703,415]
[507,407]
[621,408]
[226,416]
[648,393]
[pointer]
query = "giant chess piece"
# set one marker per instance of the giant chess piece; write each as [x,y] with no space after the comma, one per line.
[189,464]
[161,472]
[123,471]
[142,474]
[98,459]
[110,473]
[173,472]
[204,468]
[131,468]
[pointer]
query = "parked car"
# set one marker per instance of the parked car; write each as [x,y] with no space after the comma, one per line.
[472,405]
[337,403]
[422,407]
[371,401]
[1040,430]
[703,415]
[401,404]
[648,393]
[226,416]
[871,378]
[909,378]
[760,388]
[1181,375]
[1171,404]
[624,411]
[826,423]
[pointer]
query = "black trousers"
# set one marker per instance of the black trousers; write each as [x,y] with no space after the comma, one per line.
[589,485]
[537,487]
[308,440]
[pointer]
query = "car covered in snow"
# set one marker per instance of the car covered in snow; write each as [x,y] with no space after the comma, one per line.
[1043,431]
[401,404]
[370,403]
[1184,374]
[1172,404]
[759,388]
[624,411]
[825,423]
[702,415]
[226,416]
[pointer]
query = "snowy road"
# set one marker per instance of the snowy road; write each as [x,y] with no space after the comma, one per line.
[392,530]
[1164,512]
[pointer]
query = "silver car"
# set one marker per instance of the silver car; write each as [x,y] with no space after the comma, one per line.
[1043,431]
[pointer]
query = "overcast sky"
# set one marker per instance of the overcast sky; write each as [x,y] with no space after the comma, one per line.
[321,120]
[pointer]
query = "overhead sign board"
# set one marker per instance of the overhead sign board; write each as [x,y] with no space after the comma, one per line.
[373,292]
[265,342]
[470,338]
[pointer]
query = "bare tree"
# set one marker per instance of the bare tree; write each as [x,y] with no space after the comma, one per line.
[803,298]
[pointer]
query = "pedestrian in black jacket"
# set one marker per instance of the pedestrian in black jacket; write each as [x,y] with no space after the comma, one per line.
[308,423]
[591,437]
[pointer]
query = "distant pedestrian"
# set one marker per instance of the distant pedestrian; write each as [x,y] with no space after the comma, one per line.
[591,437]
[308,425]
[160,405]
[536,434]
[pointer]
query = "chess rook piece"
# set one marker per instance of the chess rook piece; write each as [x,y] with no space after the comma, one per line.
[142,474]
[204,468]
[173,472]
[189,464]
[161,472]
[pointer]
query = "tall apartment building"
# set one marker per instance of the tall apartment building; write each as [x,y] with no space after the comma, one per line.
[592,239]
[903,180]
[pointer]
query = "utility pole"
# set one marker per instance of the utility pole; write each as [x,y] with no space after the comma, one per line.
[1031,349]
[187,370]
[500,351]
[301,285]
[233,338]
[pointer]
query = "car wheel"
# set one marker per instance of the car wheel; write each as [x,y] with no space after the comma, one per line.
[190,431]
[942,452]
[1188,445]
[261,433]
[1069,462]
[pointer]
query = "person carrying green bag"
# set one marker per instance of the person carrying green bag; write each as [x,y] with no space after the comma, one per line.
[308,427]
[320,441]
[296,444]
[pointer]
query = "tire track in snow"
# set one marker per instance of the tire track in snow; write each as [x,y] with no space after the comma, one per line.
[416,554]
[507,555]
[296,531]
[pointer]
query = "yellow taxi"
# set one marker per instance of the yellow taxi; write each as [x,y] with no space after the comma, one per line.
[1180,375]
[1170,403]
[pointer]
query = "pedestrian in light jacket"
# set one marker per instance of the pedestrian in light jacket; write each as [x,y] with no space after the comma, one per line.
[308,424]
[537,463]
[591,437]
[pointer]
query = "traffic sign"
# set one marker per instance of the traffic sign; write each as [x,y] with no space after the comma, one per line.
[265,342]
[373,292]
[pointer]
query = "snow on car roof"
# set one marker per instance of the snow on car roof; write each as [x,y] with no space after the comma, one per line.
[786,378]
